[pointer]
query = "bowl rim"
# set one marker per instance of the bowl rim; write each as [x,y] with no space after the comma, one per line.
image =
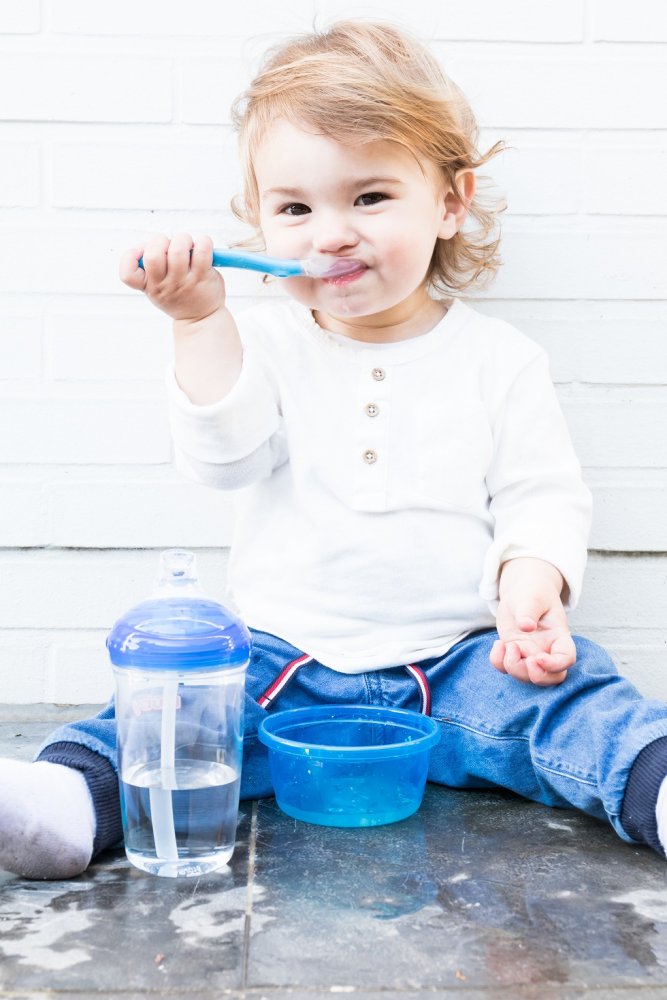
[428,729]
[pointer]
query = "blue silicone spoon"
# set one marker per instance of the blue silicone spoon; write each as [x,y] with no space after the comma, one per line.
[314,267]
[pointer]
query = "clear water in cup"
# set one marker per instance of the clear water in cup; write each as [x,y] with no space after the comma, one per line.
[203,799]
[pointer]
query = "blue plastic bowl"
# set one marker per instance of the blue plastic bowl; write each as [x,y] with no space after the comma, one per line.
[349,765]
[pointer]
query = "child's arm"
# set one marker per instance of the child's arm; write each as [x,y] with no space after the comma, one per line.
[178,278]
[535,642]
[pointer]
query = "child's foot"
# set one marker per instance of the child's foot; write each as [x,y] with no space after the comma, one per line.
[661,815]
[47,820]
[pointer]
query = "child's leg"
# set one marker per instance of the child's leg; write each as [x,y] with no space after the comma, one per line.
[62,810]
[592,742]
[661,814]
[47,822]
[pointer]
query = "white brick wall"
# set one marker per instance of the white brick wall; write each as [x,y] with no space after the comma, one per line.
[114,123]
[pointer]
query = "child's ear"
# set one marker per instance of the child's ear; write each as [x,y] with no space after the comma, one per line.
[457,204]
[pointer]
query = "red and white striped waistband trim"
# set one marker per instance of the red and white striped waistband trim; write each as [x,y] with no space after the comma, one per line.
[275,689]
[282,680]
[423,686]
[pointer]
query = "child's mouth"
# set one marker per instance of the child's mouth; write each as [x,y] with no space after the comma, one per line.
[346,279]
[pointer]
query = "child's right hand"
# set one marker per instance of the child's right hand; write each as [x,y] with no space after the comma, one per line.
[177,276]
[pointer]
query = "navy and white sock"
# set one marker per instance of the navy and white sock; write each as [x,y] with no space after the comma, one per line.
[644,812]
[661,814]
[47,820]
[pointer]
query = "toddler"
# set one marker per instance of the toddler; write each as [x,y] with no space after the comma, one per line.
[413,523]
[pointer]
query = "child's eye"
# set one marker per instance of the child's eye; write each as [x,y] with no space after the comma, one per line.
[295,209]
[372,198]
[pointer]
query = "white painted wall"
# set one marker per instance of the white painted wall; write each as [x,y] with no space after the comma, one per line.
[115,124]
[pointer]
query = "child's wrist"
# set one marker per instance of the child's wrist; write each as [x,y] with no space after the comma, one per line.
[189,326]
[537,573]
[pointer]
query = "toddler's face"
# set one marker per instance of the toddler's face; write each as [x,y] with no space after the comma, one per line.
[373,202]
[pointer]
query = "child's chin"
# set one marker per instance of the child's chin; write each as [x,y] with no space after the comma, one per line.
[328,298]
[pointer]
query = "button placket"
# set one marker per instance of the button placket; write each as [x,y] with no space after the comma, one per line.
[366,448]
[374,434]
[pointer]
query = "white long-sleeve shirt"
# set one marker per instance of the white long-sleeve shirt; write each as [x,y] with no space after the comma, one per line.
[382,486]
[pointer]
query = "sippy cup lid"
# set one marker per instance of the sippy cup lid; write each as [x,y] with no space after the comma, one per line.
[178,628]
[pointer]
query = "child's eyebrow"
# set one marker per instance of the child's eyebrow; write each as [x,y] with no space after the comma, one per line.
[284,192]
[353,182]
[376,180]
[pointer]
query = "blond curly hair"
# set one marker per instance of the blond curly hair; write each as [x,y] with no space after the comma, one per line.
[359,81]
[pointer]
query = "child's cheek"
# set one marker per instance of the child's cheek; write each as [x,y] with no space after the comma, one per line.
[407,256]
[282,244]
[394,258]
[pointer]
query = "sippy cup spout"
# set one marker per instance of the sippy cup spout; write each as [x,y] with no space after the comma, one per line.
[177,572]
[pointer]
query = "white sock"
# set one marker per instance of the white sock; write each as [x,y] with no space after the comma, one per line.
[47,820]
[661,814]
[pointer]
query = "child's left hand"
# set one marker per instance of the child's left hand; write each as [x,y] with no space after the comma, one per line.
[535,643]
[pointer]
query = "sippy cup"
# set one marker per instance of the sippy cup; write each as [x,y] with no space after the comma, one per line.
[179,661]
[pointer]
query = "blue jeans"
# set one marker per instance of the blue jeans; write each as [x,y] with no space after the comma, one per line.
[571,745]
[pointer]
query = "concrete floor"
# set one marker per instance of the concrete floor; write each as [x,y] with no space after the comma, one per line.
[478,894]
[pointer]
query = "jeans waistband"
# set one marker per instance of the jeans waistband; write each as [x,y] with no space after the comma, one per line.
[276,688]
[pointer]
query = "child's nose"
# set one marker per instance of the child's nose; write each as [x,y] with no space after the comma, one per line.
[333,234]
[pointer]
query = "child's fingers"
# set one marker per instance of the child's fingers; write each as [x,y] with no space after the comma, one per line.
[557,660]
[551,667]
[178,256]
[497,655]
[513,662]
[525,662]
[129,271]
[202,256]
[517,670]
[507,658]
[497,651]
[526,648]
[541,676]
[155,258]
[552,662]
[564,648]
